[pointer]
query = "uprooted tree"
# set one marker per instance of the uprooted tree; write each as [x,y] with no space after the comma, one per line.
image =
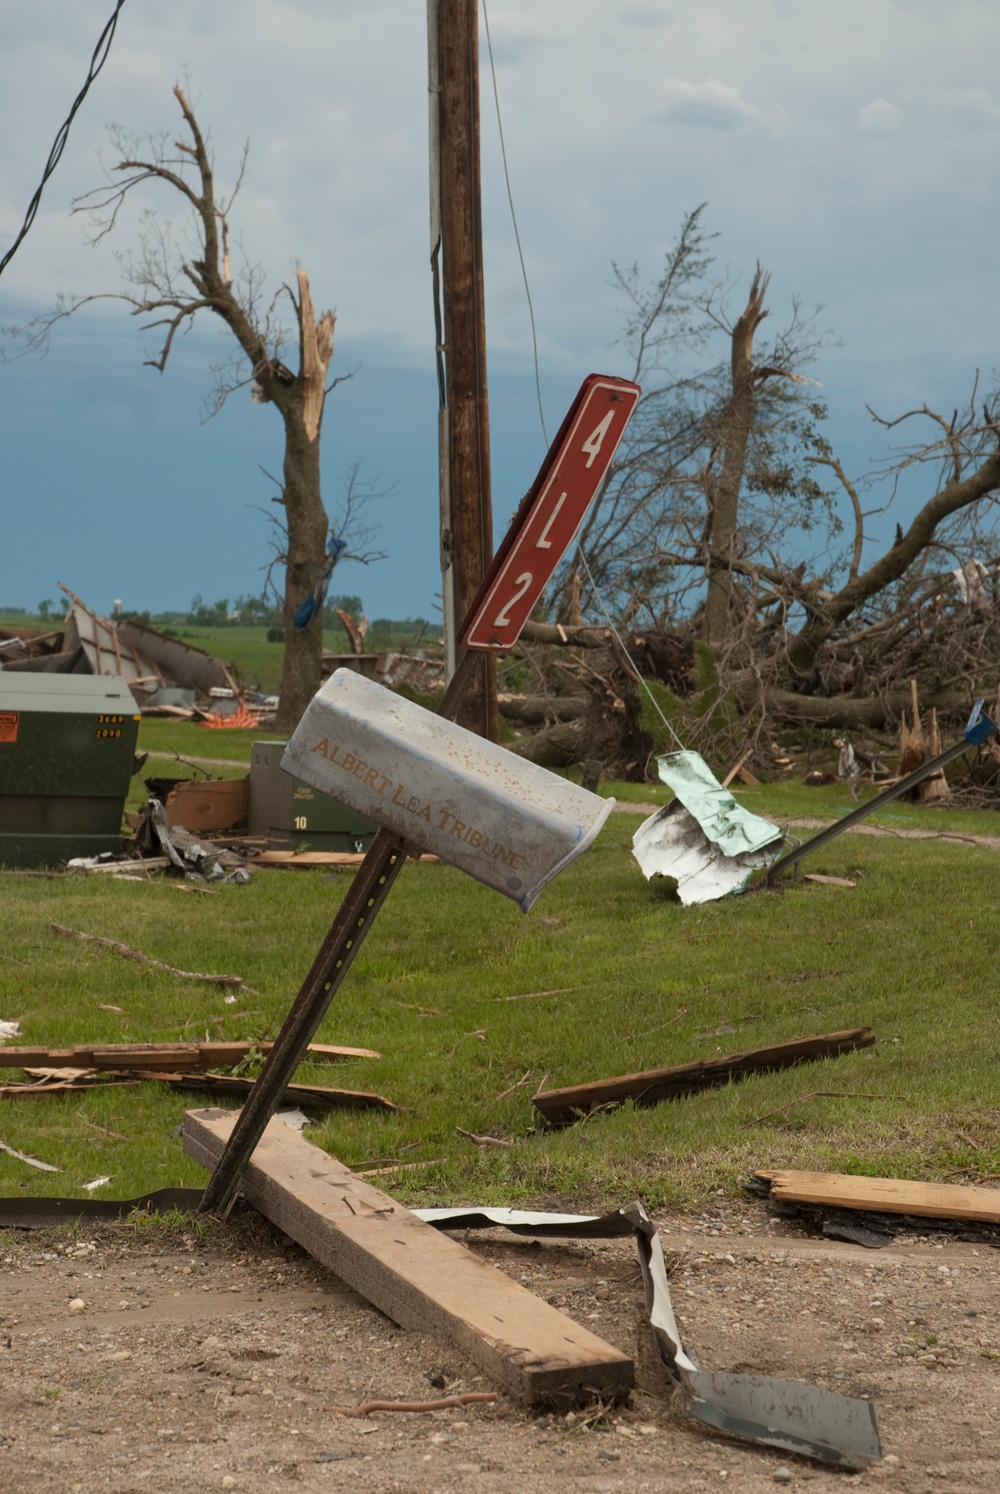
[738,592]
[171,285]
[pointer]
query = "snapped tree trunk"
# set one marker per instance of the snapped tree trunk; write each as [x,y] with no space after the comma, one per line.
[301,407]
[171,294]
[724,499]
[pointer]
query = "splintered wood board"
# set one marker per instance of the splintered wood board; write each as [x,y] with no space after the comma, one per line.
[417,1276]
[561,1107]
[886,1195]
[309,1096]
[179,1057]
[317,858]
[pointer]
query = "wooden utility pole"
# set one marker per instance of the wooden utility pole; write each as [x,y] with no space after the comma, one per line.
[467,514]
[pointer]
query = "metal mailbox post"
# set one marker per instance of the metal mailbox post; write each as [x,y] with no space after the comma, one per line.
[545,524]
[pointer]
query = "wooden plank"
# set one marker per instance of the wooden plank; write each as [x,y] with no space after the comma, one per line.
[560,1107]
[886,1195]
[419,1277]
[317,858]
[58,1087]
[179,1057]
[309,1096]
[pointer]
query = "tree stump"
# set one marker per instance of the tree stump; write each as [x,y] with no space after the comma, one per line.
[935,789]
[912,748]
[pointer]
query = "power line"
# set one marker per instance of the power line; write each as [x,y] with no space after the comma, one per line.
[538,388]
[97,61]
[513,219]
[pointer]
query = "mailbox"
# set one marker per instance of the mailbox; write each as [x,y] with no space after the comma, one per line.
[67,752]
[502,820]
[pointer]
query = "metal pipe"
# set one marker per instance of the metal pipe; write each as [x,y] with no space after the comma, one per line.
[978,730]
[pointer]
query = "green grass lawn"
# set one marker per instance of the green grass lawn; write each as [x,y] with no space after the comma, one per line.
[636,980]
[257,662]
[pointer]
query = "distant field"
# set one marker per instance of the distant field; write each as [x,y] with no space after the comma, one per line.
[257,662]
[247,649]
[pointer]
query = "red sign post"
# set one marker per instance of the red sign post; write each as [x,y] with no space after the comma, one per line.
[550,516]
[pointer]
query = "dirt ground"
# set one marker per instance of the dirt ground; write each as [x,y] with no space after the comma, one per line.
[133,1361]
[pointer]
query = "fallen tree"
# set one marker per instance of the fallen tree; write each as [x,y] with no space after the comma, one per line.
[722,632]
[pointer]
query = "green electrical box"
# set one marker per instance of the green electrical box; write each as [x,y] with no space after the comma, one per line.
[294,817]
[67,753]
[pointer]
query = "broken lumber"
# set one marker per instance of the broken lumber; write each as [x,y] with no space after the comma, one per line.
[44,1089]
[885,1195]
[560,1107]
[317,858]
[309,1096]
[177,1057]
[417,1276]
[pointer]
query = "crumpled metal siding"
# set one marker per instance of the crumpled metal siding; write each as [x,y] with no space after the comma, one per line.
[706,841]
[834,1429]
[727,824]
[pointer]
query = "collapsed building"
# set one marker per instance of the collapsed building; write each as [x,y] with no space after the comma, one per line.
[165,675]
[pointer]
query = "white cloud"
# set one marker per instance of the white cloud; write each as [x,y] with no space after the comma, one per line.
[713,105]
[975,106]
[645,16]
[879,118]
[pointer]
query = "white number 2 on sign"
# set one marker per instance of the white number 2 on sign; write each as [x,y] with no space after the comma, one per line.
[522,583]
[595,441]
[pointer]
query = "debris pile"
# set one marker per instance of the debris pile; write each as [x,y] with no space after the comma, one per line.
[156,837]
[166,676]
[159,845]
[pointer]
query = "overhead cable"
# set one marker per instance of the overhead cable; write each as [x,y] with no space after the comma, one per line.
[513,219]
[538,388]
[97,61]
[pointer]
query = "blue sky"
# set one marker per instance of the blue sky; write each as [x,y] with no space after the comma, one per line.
[850,146]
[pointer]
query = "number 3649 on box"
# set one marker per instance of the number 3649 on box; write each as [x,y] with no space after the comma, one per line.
[551,514]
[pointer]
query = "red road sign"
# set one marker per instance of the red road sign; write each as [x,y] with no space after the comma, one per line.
[551,514]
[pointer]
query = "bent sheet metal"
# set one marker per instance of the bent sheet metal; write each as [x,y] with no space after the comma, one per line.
[502,820]
[704,839]
[797,1418]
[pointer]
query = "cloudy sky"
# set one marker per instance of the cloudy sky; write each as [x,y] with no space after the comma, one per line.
[851,146]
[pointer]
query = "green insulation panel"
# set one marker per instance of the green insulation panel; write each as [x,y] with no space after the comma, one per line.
[67,752]
[294,817]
